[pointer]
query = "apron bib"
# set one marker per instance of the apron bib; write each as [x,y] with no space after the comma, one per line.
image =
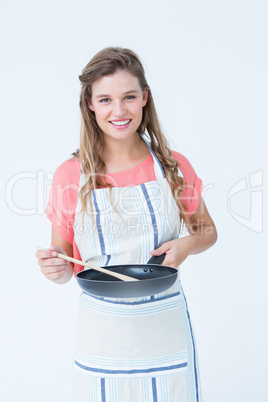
[133,349]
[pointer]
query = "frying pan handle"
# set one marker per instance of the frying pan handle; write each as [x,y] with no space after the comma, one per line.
[157,260]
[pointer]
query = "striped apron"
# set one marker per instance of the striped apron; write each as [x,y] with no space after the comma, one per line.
[133,349]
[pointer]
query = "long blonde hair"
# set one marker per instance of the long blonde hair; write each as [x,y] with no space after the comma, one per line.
[107,62]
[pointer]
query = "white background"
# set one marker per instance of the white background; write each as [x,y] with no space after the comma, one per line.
[206,62]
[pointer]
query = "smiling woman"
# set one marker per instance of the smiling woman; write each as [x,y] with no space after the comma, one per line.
[121,107]
[124,176]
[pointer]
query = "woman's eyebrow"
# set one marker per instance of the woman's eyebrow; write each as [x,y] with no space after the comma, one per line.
[125,93]
[134,91]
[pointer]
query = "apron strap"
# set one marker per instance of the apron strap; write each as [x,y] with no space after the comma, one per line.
[158,170]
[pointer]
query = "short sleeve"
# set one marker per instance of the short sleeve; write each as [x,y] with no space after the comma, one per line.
[191,194]
[62,199]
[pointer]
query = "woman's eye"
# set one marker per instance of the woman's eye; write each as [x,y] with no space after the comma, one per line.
[107,100]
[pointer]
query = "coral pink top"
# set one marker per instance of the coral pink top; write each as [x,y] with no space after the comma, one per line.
[65,186]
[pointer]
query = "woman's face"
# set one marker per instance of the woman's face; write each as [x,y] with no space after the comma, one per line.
[117,101]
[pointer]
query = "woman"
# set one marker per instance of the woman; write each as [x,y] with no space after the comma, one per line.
[120,199]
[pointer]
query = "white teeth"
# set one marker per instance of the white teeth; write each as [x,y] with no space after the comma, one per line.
[120,123]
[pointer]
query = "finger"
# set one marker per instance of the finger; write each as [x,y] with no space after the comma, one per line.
[52,262]
[173,259]
[45,254]
[162,249]
[170,262]
[56,249]
[56,275]
[53,270]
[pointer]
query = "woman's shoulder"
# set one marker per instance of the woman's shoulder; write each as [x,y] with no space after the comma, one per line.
[184,164]
[192,190]
[68,171]
[180,158]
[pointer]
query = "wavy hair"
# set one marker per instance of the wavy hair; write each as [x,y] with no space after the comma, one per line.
[107,62]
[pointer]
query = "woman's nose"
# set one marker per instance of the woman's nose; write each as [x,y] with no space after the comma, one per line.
[119,109]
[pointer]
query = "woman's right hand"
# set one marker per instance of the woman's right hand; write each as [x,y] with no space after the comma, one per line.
[52,267]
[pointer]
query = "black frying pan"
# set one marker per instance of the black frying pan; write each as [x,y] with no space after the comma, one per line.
[153,278]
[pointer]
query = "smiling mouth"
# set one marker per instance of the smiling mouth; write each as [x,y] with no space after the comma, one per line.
[120,122]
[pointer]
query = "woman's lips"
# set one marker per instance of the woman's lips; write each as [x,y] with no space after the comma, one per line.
[120,124]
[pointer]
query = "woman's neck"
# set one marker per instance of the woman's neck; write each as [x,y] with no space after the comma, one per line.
[122,155]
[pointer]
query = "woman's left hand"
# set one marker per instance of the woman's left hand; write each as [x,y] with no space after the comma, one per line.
[203,235]
[176,250]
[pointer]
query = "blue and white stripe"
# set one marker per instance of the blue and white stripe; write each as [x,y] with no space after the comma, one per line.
[99,229]
[131,309]
[100,389]
[194,380]
[110,364]
[142,217]
[152,214]
[113,368]
[109,237]
[159,172]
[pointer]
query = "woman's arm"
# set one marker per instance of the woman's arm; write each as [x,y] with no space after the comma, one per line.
[203,234]
[54,268]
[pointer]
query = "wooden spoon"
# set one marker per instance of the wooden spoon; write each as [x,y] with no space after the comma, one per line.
[122,277]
